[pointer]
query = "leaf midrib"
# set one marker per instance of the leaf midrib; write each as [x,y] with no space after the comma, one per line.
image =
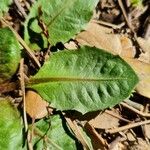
[71,79]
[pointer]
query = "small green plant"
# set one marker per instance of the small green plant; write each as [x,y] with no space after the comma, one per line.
[85,80]
[136,2]
[4,6]
[10,54]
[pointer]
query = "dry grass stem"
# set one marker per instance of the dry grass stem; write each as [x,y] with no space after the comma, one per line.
[100,142]
[22,84]
[135,110]
[109,24]
[117,116]
[126,127]
[78,133]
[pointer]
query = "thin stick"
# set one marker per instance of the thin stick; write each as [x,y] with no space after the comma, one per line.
[117,116]
[129,24]
[20,8]
[126,127]
[100,142]
[135,110]
[113,144]
[29,52]
[22,83]
[109,24]
[77,133]
[134,105]
[30,135]
[125,15]
[30,146]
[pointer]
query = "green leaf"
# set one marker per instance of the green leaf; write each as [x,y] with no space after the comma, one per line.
[87,79]
[4,6]
[10,126]
[137,3]
[63,19]
[9,54]
[50,133]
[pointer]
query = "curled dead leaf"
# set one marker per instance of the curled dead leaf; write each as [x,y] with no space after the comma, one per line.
[104,121]
[100,37]
[104,38]
[143,71]
[36,107]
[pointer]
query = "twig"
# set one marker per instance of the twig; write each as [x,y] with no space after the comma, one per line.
[135,110]
[129,24]
[144,128]
[147,28]
[21,73]
[116,116]
[31,135]
[20,8]
[109,24]
[77,133]
[112,145]
[100,142]
[29,52]
[27,4]
[30,146]
[135,105]
[125,15]
[126,127]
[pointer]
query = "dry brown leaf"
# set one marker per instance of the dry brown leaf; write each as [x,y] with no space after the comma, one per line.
[130,136]
[145,45]
[145,57]
[78,133]
[100,37]
[140,145]
[36,107]
[128,50]
[146,129]
[70,45]
[104,121]
[117,145]
[143,71]
[103,38]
